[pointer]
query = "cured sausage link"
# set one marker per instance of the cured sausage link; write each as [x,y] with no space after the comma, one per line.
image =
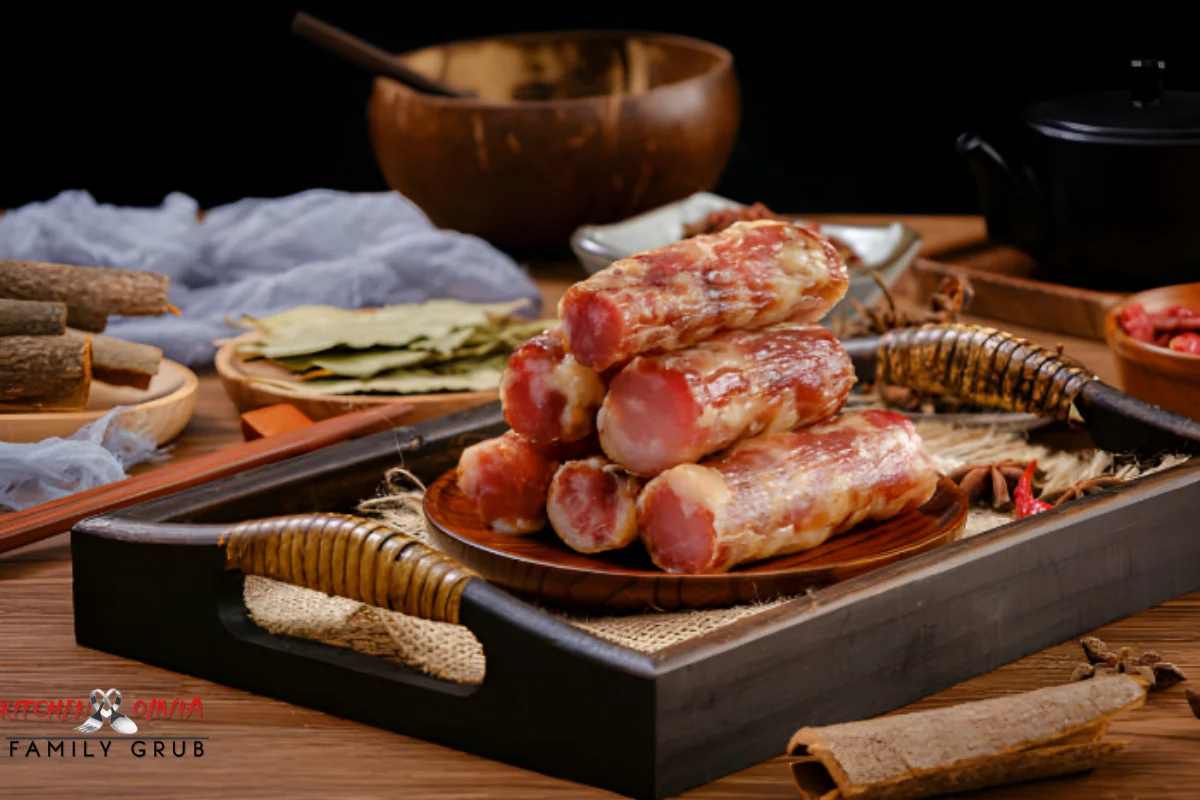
[507,477]
[547,395]
[780,494]
[592,505]
[676,408]
[750,275]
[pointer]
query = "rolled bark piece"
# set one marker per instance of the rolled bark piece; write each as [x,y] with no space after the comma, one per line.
[44,373]
[785,493]
[1012,739]
[751,275]
[122,363]
[84,319]
[547,395]
[101,290]
[592,505]
[678,407]
[32,318]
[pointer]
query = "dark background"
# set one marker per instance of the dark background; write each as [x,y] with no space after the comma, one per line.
[842,111]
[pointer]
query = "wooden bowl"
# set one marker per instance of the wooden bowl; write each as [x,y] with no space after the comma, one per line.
[162,410]
[1156,374]
[247,394]
[566,129]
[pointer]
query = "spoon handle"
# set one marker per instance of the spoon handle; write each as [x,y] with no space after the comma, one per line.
[367,56]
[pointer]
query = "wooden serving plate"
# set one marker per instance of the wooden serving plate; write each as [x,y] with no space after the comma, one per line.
[237,374]
[162,410]
[539,567]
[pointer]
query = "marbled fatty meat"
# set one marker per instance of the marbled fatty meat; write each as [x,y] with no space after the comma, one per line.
[751,275]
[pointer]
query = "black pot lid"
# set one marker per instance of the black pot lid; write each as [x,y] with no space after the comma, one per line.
[1143,115]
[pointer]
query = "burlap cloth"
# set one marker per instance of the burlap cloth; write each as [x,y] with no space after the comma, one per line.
[452,652]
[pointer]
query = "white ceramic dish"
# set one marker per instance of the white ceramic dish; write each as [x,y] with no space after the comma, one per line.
[888,249]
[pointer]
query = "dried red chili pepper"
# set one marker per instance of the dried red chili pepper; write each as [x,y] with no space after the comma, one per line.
[1162,327]
[1136,323]
[1176,318]
[1027,505]
[1186,343]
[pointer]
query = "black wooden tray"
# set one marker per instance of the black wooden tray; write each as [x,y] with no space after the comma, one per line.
[560,701]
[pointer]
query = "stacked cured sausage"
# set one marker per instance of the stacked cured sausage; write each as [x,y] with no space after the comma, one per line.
[688,398]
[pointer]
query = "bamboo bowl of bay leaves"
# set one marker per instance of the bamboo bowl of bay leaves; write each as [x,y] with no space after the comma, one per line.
[439,357]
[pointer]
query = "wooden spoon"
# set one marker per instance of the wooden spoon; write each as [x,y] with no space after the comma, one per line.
[368,56]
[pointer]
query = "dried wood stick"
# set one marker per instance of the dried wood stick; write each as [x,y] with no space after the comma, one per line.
[1038,734]
[44,373]
[121,363]
[98,289]
[32,318]
[85,319]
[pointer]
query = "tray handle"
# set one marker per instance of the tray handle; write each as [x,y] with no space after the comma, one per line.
[981,365]
[346,556]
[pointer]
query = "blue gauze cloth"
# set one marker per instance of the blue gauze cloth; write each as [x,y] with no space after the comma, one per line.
[97,454]
[262,256]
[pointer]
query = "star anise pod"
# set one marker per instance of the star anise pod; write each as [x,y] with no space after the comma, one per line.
[1166,674]
[979,480]
[1101,661]
[1089,486]
[1097,652]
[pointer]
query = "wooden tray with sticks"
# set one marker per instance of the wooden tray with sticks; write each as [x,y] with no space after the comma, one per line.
[560,700]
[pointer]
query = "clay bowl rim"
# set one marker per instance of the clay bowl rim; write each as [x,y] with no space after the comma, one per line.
[724,65]
[1123,346]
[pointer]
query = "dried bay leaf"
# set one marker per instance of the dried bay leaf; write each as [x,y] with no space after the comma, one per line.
[438,346]
[403,382]
[513,333]
[463,366]
[308,330]
[445,344]
[309,314]
[360,364]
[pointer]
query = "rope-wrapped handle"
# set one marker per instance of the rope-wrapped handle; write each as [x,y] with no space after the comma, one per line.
[351,557]
[981,365]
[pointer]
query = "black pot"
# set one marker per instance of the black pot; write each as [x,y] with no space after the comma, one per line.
[1103,189]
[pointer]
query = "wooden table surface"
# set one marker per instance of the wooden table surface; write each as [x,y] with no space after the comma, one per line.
[259,747]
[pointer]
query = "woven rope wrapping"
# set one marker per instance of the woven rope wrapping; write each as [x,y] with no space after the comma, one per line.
[981,365]
[358,559]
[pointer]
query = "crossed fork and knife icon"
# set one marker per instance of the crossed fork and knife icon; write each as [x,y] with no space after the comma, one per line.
[106,705]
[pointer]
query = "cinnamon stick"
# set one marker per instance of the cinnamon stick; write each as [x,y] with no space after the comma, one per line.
[98,289]
[1030,736]
[44,373]
[32,318]
[122,363]
[84,319]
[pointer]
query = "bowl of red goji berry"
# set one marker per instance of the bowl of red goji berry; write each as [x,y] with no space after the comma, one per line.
[1155,337]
